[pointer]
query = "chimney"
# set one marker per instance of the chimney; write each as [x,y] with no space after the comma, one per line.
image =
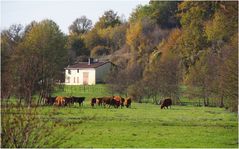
[90,60]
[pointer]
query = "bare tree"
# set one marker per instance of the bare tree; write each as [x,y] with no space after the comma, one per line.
[80,25]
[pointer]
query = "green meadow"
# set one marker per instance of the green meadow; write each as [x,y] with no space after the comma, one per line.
[143,125]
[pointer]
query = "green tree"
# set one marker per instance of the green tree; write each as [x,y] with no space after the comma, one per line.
[140,12]
[10,39]
[93,39]
[39,60]
[164,12]
[193,40]
[109,19]
[118,37]
[76,44]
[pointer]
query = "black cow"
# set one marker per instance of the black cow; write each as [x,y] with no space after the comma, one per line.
[79,100]
[50,100]
[166,103]
[93,102]
[68,101]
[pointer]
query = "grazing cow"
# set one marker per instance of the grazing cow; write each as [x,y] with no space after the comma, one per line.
[60,101]
[79,100]
[128,102]
[68,101]
[160,102]
[108,101]
[93,102]
[118,101]
[166,102]
[99,101]
[122,102]
[49,100]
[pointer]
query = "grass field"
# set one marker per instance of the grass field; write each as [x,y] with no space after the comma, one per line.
[142,125]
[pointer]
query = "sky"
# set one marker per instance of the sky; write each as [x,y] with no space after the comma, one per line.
[63,12]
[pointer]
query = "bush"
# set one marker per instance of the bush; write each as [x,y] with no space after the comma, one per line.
[24,128]
[100,51]
[136,91]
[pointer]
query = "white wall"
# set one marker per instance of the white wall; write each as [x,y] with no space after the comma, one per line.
[102,71]
[74,75]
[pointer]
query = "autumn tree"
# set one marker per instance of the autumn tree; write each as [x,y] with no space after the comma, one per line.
[99,51]
[140,12]
[107,34]
[76,47]
[164,12]
[10,39]
[38,61]
[162,76]
[230,74]
[108,19]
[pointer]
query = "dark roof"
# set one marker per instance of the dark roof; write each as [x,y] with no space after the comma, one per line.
[85,65]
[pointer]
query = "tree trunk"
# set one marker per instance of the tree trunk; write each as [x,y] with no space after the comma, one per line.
[221,102]
[29,99]
[205,102]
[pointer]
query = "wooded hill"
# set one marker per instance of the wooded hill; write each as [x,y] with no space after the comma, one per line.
[163,46]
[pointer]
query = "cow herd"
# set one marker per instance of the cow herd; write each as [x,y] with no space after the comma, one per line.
[63,101]
[111,101]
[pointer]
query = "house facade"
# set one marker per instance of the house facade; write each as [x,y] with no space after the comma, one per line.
[87,73]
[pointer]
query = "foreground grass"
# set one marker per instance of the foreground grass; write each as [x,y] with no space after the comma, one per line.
[144,125]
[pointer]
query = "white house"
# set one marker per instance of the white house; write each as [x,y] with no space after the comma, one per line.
[87,73]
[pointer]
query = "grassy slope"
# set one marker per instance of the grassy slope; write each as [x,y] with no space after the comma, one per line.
[144,125]
[90,91]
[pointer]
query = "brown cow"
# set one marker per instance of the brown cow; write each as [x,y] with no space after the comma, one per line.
[166,103]
[122,102]
[128,102]
[99,101]
[117,101]
[108,101]
[59,101]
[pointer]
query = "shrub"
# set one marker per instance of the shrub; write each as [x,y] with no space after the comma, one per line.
[100,51]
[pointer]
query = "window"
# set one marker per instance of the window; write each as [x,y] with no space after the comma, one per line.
[74,80]
[69,71]
[77,79]
[68,80]
[77,70]
[85,78]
